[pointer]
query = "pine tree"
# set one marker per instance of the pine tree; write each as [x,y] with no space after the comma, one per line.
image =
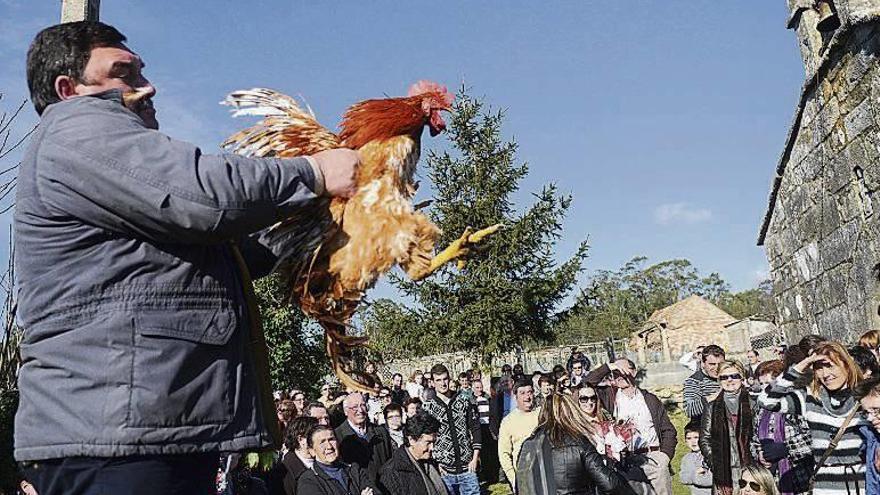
[509,291]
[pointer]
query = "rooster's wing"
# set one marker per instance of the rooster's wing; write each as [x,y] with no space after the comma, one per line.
[286,131]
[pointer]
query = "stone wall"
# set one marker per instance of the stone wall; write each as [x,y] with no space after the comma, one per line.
[822,234]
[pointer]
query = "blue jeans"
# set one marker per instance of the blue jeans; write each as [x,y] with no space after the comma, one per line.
[462,484]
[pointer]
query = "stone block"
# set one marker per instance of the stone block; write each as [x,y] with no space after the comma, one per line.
[805,263]
[833,321]
[829,215]
[839,245]
[859,119]
[832,286]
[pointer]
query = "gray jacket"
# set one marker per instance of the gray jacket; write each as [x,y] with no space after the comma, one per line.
[136,328]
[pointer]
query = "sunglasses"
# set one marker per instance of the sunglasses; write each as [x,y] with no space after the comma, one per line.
[751,484]
[587,398]
[734,376]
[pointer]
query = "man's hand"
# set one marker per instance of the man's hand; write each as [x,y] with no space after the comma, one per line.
[339,168]
[622,365]
[474,464]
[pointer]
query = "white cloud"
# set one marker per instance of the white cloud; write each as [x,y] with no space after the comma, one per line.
[680,213]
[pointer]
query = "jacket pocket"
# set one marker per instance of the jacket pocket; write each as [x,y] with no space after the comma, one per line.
[183,368]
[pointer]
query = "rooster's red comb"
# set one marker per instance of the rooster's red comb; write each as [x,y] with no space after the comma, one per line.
[425,86]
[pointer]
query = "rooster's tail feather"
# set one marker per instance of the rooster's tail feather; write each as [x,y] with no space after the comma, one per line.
[286,129]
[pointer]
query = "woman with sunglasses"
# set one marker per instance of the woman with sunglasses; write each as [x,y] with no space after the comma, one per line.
[756,480]
[727,429]
[826,404]
[588,399]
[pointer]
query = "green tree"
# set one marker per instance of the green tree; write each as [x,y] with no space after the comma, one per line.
[509,291]
[616,303]
[296,349]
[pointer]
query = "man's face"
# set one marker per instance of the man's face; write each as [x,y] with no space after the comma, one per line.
[753,357]
[412,410]
[441,383]
[397,381]
[546,388]
[525,398]
[320,413]
[324,447]
[116,67]
[871,408]
[577,369]
[394,420]
[299,400]
[384,398]
[356,409]
[517,369]
[710,365]
[464,382]
[422,448]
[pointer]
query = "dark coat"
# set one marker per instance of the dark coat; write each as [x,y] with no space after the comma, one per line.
[370,453]
[576,466]
[608,397]
[400,476]
[399,396]
[284,475]
[316,482]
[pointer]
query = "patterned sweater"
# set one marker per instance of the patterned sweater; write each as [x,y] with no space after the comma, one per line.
[844,470]
[459,434]
[696,388]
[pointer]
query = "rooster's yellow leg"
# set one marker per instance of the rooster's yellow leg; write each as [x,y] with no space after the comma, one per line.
[459,247]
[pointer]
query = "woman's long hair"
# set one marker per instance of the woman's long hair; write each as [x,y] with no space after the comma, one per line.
[562,417]
[838,355]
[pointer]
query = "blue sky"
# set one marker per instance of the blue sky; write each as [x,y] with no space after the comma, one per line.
[664,119]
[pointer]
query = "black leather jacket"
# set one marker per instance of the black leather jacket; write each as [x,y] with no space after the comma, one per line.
[577,470]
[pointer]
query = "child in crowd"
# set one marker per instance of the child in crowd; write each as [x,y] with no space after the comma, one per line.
[693,471]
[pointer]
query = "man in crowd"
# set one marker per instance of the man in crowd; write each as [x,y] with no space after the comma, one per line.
[577,357]
[488,472]
[703,383]
[384,400]
[399,395]
[412,406]
[412,469]
[286,472]
[576,378]
[114,218]
[458,441]
[318,411]
[359,442]
[545,388]
[753,360]
[516,427]
[627,402]
[329,475]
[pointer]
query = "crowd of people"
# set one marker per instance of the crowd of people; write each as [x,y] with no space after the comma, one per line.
[804,421]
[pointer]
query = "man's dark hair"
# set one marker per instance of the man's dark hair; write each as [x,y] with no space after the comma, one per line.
[506,368]
[865,360]
[310,435]
[545,378]
[713,350]
[64,50]
[691,427]
[421,424]
[464,374]
[296,429]
[809,342]
[412,400]
[525,382]
[391,408]
[438,369]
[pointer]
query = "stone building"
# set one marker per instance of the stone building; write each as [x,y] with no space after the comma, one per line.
[820,231]
[670,332]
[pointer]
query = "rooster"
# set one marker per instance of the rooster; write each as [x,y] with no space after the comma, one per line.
[332,255]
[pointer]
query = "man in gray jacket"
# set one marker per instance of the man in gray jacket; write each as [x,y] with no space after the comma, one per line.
[142,355]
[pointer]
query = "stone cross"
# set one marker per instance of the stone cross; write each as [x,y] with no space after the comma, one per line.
[80,10]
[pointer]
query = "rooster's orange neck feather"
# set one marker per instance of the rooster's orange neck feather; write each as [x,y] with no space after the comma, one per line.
[382,119]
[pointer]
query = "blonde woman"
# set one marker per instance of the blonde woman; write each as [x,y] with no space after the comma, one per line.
[726,429]
[571,464]
[757,480]
[826,405]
